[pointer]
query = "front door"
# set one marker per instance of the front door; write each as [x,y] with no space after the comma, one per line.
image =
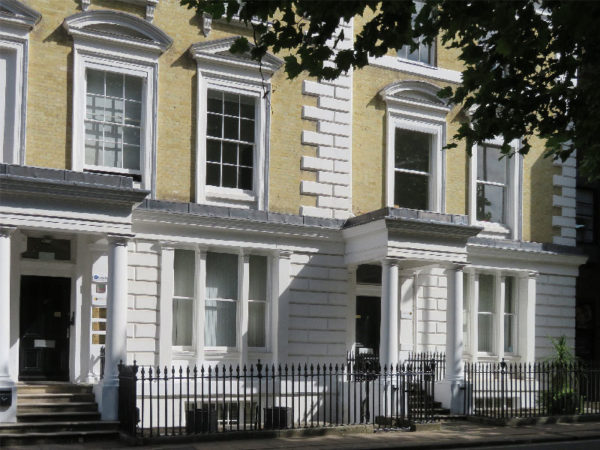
[368,320]
[45,323]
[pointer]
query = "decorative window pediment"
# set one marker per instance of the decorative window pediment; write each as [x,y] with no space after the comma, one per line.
[217,52]
[415,94]
[117,28]
[15,13]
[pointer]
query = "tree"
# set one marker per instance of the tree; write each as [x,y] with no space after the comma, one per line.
[530,66]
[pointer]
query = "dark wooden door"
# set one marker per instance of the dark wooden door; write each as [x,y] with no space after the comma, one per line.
[45,323]
[368,320]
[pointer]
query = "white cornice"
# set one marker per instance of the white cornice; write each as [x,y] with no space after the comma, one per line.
[15,13]
[156,219]
[217,52]
[120,28]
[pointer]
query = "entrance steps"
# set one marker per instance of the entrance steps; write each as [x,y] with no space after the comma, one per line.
[56,413]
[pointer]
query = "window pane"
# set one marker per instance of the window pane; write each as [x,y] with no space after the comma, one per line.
[114,84]
[113,110]
[131,157]
[256,324]
[94,107]
[247,107]
[490,203]
[213,150]
[232,102]
[133,113]
[424,53]
[184,268]
[213,125]
[247,130]
[230,130]
[489,166]
[245,179]
[486,293]
[215,101]
[221,276]
[229,153]
[95,82]
[246,155]
[93,152]
[183,320]
[113,138]
[412,150]
[258,277]
[485,332]
[508,333]
[133,88]
[229,176]
[131,136]
[411,191]
[220,323]
[509,303]
[213,174]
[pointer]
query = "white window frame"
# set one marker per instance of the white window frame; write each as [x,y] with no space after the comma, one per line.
[218,70]
[414,105]
[15,26]
[511,228]
[199,351]
[123,54]
[521,348]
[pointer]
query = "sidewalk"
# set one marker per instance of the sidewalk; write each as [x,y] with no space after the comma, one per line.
[452,435]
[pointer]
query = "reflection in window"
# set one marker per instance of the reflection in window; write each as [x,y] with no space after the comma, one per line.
[424,52]
[412,151]
[47,248]
[585,216]
[113,120]
[230,140]
[492,174]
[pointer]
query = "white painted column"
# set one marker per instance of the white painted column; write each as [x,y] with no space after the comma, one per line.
[280,305]
[167,281]
[7,385]
[116,324]
[499,290]
[243,295]
[454,338]
[388,344]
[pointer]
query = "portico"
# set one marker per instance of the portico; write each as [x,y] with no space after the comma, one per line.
[49,222]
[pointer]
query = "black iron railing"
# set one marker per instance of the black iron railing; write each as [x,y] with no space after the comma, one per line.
[218,399]
[504,390]
[424,358]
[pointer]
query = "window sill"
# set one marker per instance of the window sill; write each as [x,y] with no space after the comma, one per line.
[416,68]
[493,229]
[229,196]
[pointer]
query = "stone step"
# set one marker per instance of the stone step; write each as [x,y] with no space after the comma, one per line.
[54,407]
[46,427]
[25,399]
[38,438]
[48,416]
[57,388]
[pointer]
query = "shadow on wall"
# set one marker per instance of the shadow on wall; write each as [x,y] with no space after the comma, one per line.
[540,188]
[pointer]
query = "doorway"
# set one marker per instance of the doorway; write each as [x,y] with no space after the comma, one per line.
[44,328]
[368,320]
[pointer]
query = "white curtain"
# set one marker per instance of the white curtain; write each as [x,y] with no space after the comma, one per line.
[485,325]
[257,307]
[183,300]
[220,322]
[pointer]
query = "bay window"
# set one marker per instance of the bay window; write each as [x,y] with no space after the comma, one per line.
[492,305]
[211,293]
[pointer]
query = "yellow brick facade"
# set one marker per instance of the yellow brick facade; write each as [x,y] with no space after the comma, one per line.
[49,109]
